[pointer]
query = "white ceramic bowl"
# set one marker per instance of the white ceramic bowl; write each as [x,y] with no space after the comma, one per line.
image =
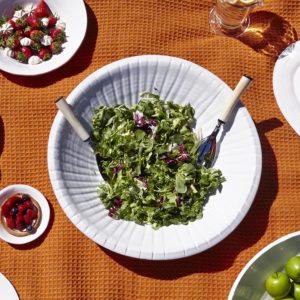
[43,203]
[75,177]
[72,12]
[286,86]
[250,283]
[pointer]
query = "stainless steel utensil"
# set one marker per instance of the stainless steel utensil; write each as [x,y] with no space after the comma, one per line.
[207,149]
[66,110]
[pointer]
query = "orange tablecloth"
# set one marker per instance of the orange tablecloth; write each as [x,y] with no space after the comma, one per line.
[64,264]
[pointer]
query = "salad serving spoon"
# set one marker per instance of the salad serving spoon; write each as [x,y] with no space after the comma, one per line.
[207,149]
[77,126]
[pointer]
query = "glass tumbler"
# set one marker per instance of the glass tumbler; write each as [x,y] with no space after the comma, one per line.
[231,17]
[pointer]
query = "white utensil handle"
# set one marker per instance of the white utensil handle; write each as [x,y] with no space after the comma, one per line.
[241,87]
[66,110]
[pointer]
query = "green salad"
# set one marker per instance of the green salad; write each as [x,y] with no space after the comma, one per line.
[148,155]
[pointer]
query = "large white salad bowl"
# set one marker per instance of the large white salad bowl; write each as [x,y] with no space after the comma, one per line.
[75,177]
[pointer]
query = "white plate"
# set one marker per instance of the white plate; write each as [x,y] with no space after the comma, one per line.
[286,78]
[73,13]
[38,197]
[74,174]
[250,283]
[7,291]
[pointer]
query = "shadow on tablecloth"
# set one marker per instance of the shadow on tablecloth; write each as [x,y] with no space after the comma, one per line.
[78,63]
[268,33]
[223,255]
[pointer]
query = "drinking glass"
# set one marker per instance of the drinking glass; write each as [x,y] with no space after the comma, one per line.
[231,17]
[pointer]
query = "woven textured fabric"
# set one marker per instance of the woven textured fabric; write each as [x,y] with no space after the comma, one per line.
[64,264]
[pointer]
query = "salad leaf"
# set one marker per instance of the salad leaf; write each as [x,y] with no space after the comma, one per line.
[149,158]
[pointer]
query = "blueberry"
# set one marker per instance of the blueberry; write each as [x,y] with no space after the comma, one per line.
[25,197]
[14,210]
[29,228]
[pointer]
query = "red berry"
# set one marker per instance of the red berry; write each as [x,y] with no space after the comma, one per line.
[21,23]
[33,21]
[10,222]
[27,31]
[34,214]
[58,35]
[36,46]
[55,47]
[23,54]
[5,210]
[12,23]
[30,216]
[5,36]
[12,42]
[28,219]
[36,35]
[20,221]
[52,21]
[28,204]
[19,33]
[42,10]
[12,201]
[29,212]
[51,30]
[22,208]
[45,54]
[21,57]
[26,51]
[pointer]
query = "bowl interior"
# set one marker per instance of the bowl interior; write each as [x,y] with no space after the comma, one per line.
[76,23]
[251,283]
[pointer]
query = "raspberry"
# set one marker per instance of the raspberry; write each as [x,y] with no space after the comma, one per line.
[5,210]
[34,214]
[22,208]
[12,201]
[20,222]
[10,222]
[28,204]
[28,218]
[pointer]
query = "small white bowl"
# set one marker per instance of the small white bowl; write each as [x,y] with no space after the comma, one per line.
[250,283]
[73,13]
[39,198]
